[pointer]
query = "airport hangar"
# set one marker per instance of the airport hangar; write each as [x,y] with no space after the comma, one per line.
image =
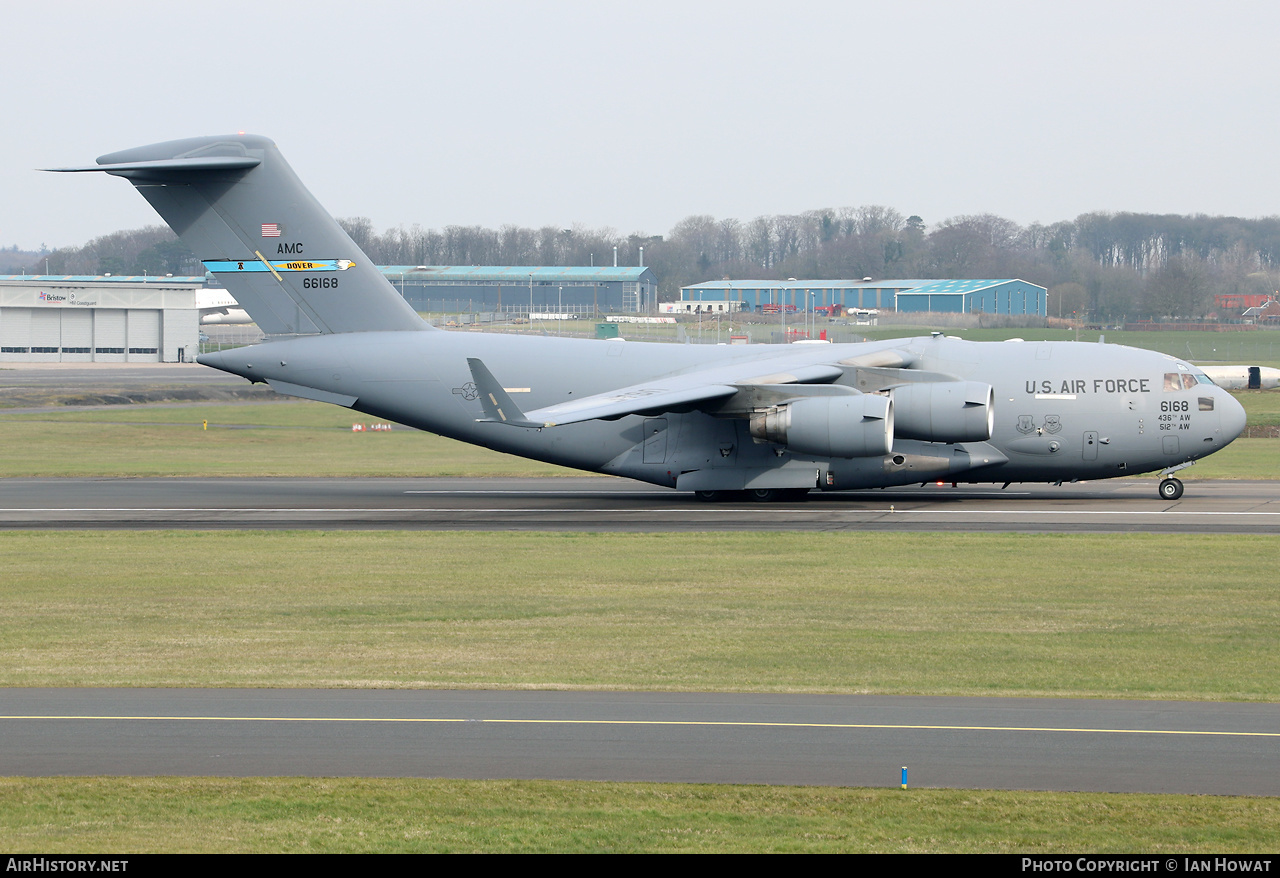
[1004,296]
[90,319]
[542,289]
[149,319]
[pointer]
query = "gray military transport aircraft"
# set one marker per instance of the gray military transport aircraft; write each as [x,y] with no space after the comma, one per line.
[764,422]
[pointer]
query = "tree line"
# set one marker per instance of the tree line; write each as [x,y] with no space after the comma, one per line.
[1110,266]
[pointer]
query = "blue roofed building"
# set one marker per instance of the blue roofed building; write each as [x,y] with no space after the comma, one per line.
[530,288]
[1002,296]
[1008,296]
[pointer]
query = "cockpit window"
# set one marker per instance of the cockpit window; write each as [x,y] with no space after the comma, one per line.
[1174,381]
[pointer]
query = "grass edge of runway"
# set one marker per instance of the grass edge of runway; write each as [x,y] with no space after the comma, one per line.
[331,815]
[308,439]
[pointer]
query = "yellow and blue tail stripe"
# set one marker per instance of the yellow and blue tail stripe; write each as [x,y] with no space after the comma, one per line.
[231,265]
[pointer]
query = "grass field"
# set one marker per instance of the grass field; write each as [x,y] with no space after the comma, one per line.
[257,439]
[1181,617]
[294,438]
[334,815]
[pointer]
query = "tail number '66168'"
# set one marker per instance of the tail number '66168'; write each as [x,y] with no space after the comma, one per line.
[316,283]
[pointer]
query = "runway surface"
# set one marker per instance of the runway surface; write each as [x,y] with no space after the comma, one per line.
[987,743]
[112,375]
[605,504]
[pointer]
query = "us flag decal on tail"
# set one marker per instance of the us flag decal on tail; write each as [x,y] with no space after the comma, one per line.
[270,230]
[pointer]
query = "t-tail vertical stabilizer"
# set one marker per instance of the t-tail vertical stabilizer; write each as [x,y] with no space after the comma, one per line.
[236,203]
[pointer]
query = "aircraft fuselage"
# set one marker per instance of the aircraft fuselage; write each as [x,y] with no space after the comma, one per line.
[1062,410]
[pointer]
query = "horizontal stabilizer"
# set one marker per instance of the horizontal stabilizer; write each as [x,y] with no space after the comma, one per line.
[163,167]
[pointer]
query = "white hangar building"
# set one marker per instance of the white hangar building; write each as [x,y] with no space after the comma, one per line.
[89,319]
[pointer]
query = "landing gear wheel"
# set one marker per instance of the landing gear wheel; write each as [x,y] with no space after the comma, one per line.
[712,496]
[774,495]
[1170,489]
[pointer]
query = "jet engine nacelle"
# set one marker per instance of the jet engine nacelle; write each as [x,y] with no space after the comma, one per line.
[829,426]
[944,411]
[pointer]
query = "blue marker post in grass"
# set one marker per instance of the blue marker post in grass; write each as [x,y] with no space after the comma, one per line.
[904,777]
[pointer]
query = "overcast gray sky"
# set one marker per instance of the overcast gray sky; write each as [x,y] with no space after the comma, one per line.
[635,115]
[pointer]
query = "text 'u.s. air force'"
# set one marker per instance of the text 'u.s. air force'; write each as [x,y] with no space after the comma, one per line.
[1096,385]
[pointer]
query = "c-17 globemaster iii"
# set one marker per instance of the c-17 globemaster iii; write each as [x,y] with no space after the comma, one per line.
[759,421]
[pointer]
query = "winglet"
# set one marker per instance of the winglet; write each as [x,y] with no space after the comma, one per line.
[498,406]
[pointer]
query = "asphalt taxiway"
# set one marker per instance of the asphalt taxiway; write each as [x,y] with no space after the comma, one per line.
[988,743]
[605,504]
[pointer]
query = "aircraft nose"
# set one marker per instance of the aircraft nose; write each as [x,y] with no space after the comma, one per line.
[1232,415]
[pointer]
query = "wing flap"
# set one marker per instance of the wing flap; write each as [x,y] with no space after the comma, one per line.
[629,401]
[702,388]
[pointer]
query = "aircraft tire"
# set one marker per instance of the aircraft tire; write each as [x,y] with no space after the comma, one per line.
[1170,489]
[712,496]
[775,495]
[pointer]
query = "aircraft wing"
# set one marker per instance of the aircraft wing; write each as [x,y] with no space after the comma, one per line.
[713,386]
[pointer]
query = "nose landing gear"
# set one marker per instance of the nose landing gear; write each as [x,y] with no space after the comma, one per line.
[1171,488]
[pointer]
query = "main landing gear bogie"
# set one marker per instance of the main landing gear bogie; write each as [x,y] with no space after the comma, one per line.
[755,495]
[1170,489]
